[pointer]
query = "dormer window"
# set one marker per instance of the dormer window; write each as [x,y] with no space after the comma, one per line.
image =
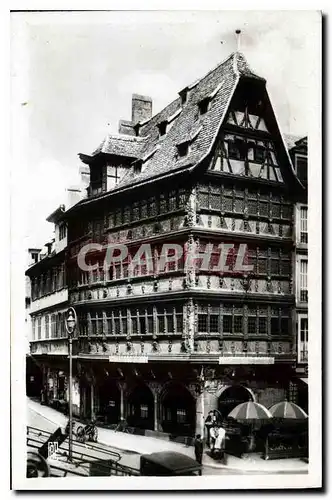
[138,167]
[183,149]
[184,96]
[162,128]
[62,231]
[203,106]
[96,179]
[34,257]
[301,165]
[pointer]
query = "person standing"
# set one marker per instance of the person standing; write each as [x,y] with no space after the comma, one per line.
[198,446]
[209,423]
[219,446]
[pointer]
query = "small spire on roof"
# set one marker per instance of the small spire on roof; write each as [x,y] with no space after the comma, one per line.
[235,67]
[238,39]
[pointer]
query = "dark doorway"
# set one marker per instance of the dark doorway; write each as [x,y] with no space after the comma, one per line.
[178,411]
[141,408]
[34,378]
[302,396]
[109,402]
[61,386]
[231,397]
[85,406]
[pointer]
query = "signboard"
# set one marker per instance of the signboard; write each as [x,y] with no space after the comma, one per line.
[246,360]
[127,358]
[70,320]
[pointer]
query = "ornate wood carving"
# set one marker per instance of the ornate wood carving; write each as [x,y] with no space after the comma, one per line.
[191,208]
[155,346]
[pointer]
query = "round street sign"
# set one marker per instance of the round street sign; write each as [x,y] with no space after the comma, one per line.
[71,320]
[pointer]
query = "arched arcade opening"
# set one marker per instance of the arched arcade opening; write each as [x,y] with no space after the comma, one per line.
[231,397]
[140,408]
[178,410]
[109,402]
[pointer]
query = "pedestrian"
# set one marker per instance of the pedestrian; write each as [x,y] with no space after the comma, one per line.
[198,445]
[214,433]
[210,421]
[219,446]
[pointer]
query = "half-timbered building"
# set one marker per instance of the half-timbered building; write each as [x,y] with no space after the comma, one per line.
[161,346]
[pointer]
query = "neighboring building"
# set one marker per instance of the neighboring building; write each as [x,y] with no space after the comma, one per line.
[32,372]
[47,365]
[161,345]
[299,156]
[49,301]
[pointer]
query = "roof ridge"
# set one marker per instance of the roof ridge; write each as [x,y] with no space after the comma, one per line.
[196,82]
[210,71]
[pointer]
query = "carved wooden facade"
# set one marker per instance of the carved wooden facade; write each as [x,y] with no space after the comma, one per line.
[239,190]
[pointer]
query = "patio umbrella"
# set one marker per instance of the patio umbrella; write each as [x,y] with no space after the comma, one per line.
[250,411]
[288,410]
[252,414]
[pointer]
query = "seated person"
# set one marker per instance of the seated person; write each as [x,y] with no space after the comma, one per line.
[218,435]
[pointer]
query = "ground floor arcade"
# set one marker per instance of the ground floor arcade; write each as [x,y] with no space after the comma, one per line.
[171,398]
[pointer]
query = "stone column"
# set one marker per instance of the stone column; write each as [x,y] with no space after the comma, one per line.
[156,411]
[122,412]
[155,389]
[55,385]
[200,413]
[92,400]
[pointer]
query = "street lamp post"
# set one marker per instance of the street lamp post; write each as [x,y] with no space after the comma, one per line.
[71,322]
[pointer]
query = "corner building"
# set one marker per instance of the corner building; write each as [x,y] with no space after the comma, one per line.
[161,348]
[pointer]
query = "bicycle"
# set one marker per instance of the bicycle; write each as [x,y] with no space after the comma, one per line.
[123,427]
[87,433]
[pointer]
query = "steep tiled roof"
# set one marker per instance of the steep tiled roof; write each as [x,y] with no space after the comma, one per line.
[188,125]
[121,145]
[221,82]
[291,140]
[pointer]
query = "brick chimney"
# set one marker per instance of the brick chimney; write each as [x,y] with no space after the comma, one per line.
[141,109]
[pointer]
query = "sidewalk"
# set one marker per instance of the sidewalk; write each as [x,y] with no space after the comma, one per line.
[144,444]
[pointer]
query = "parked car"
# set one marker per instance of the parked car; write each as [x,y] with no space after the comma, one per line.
[169,463]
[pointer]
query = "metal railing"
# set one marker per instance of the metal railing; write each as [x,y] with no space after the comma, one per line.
[87,459]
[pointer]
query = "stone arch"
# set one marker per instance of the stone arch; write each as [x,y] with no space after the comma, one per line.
[177,409]
[231,396]
[109,400]
[140,407]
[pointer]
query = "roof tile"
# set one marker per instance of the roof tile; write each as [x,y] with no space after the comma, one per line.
[218,85]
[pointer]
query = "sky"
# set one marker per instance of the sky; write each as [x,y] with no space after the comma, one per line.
[73,75]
